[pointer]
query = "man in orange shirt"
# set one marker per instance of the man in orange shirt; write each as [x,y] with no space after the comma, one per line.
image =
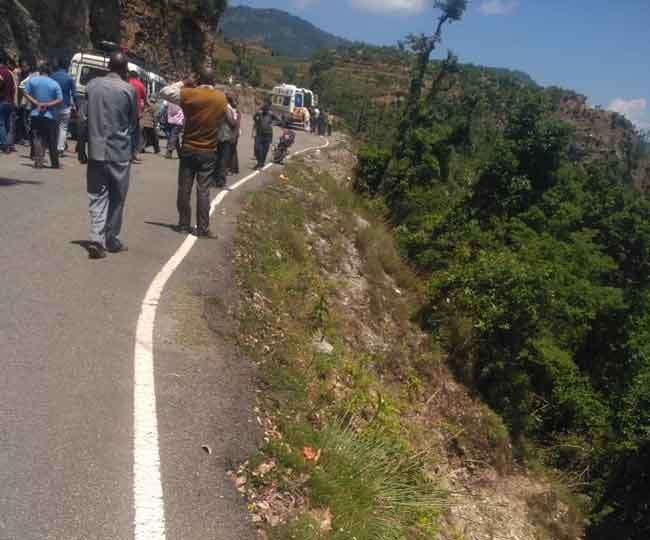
[205,109]
[141,98]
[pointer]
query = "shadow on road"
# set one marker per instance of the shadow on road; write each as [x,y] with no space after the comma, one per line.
[14,182]
[82,243]
[171,226]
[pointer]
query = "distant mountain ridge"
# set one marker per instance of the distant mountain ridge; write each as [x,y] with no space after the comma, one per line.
[283,33]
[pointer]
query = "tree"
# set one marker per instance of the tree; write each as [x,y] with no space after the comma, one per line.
[423,45]
[289,73]
[322,61]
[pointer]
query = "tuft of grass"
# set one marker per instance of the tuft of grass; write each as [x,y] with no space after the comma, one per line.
[303,528]
[374,489]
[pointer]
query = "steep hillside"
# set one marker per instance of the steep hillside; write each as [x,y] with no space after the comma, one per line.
[277,30]
[367,433]
[176,35]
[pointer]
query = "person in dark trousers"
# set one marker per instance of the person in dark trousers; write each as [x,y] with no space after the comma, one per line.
[22,109]
[204,108]
[225,147]
[45,95]
[112,116]
[7,100]
[263,130]
[28,107]
[141,95]
[233,166]
[150,128]
[322,124]
[69,89]
[13,119]
[175,122]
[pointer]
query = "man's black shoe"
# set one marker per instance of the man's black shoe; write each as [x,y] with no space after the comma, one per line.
[96,251]
[206,234]
[116,247]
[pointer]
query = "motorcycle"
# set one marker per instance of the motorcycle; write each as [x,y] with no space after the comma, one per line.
[281,150]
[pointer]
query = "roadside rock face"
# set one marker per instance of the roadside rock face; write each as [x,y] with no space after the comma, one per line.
[176,35]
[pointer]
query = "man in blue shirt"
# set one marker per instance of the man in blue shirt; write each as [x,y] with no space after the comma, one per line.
[45,94]
[69,90]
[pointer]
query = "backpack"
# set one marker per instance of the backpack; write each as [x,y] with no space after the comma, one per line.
[264,125]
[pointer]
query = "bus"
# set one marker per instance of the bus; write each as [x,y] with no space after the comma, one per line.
[291,104]
[87,65]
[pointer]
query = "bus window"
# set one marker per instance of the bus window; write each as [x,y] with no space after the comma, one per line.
[287,101]
[298,100]
[308,102]
[90,73]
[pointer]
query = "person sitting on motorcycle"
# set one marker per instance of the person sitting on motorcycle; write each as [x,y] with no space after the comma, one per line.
[287,138]
[284,143]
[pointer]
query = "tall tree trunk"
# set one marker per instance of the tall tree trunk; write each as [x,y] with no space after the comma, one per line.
[422,62]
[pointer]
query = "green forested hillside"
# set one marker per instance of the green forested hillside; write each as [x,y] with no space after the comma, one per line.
[283,33]
[522,208]
[538,259]
[536,246]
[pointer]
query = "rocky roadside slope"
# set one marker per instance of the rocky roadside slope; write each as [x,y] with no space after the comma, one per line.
[175,35]
[368,434]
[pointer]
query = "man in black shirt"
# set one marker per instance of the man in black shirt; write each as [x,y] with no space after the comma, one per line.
[263,129]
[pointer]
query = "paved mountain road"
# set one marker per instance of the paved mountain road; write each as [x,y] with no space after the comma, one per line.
[67,331]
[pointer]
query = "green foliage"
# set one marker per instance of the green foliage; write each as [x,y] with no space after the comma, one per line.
[245,67]
[454,9]
[625,506]
[289,73]
[371,168]
[547,263]
[373,488]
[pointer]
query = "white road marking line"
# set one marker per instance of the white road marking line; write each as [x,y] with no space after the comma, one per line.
[147,484]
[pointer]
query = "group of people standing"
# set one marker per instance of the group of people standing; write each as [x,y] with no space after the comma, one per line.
[211,127]
[170,118]
[36,105]
[320,123]
[117,121]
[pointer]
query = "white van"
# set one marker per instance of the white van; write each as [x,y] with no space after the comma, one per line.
[291,104]
[85,66]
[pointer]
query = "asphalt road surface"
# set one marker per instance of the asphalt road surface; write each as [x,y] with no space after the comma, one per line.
[67,336]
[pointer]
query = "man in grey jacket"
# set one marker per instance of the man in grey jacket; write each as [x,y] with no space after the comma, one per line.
[112,115]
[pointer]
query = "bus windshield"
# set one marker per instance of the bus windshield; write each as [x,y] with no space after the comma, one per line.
[298,100]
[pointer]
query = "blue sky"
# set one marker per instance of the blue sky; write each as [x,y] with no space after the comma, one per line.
[600,48]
